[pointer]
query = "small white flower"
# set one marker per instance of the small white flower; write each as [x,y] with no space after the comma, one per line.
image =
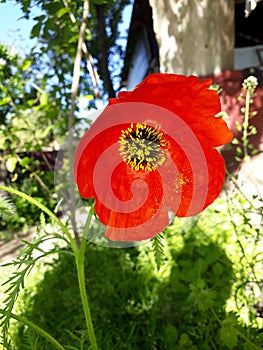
[250,83]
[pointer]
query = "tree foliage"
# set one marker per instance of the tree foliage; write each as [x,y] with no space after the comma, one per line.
[35,89]
[57,31]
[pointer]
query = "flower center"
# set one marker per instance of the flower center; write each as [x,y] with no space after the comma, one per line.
[142,147]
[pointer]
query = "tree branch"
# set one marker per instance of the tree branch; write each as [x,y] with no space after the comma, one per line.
[71,121]
[95,79]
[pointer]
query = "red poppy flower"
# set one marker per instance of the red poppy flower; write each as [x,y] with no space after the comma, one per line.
[150,150]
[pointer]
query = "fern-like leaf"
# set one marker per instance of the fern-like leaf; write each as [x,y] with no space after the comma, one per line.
[32,339]
[158,250]
[42,221]
[7,208]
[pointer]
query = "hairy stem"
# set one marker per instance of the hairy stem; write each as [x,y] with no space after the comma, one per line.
[245,125]
[81,278]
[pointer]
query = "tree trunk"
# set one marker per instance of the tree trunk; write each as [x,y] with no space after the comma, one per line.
[104,61]
[194,37]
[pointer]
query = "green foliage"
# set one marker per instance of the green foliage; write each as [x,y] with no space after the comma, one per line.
[32,340]
[189,303]
[24,264]
[228,332]
[57,31]
[158,251]
[26,129]
[10,81]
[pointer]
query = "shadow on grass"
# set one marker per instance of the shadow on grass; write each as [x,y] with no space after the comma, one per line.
[134,309]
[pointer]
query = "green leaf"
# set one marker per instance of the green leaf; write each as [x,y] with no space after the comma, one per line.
[239,150]
[11,163]
[46,131]
[99,2]
[88,34]
[238,159]
[36,30]
[24,162]
[235,141]
[228,333]
[74,38]
[158,250]
[44,99]
[39,18]
[228,147]
[4,101]
[171,334]
[88,97]
[26,64]
[185,342]
[62,12]
[217,269]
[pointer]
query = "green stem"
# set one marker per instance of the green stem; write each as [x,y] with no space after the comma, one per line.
[245,125]
[39,330]
[47,211]
[81,278]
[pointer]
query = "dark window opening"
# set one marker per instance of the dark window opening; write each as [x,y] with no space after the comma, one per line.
[248,30]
